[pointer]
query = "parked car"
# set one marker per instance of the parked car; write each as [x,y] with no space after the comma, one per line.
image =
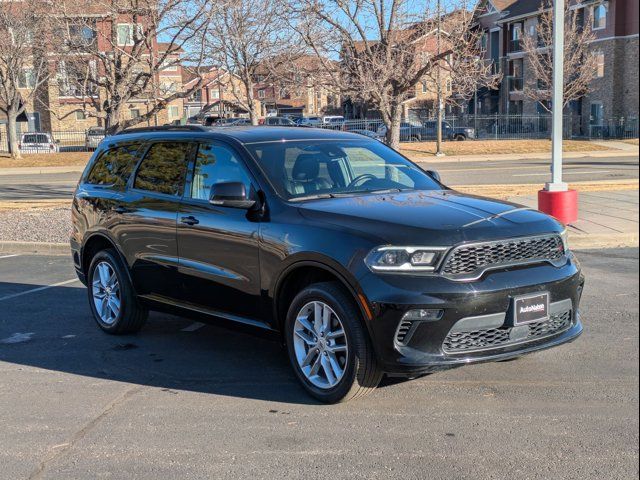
[309,121]
[93,137]
[370,134]
[362,263]
[409,132]
[420,132]
[278,121]
[449,132]
[38,143]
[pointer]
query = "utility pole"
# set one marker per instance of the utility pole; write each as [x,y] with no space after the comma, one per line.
[439,89]
[556,199]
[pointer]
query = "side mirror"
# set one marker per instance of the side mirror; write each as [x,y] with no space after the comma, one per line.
[435,175]
[230,194]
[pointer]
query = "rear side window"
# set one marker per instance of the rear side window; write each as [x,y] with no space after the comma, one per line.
[114,166]
[35,138]
[164,168]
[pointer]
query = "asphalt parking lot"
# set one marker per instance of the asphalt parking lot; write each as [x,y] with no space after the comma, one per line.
[182,400]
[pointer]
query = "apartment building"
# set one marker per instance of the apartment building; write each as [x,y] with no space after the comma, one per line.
[422,98]
[64,102]
[297,87]
[217,96]
[614,90]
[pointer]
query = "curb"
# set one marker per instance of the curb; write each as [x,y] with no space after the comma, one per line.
[35,248]
[430,159]
[41,170]
[576,241]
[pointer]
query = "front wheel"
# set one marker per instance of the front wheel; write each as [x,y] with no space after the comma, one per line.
[328,347]
[113,303]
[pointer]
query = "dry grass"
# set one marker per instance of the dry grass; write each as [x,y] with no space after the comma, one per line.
[631,141]
[65,159]
[503,192]
[490,147]
[12,205]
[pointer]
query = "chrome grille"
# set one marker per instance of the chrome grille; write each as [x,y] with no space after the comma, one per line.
[467,260]
[460,342]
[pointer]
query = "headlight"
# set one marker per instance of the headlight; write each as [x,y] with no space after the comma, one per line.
[405,259]
[564,235]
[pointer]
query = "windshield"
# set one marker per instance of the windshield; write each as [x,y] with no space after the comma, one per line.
[316,168]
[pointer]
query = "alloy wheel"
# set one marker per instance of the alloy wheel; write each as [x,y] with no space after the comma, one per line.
[320,345]
[106,293]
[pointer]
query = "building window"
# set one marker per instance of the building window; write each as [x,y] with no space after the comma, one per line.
[126,34]
[448,86]
[169,65]
[424,87]
[134,112]
[599,65]
[215,94]
[483,42]
[599,17]
[27,78]
[261,93]
[516,37]
[597,114]
[174,111]
[80,115]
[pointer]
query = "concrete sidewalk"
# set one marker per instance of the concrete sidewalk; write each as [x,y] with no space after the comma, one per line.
[605,218]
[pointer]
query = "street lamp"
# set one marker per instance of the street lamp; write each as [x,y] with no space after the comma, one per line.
[556,198]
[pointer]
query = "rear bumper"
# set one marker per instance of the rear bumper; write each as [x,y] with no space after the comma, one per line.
[466,303]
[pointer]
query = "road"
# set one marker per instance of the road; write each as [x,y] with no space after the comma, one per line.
[181,400]
[48,186]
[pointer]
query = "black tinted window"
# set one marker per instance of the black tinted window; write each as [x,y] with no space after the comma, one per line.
[216,164]
[163,168]
[114,166]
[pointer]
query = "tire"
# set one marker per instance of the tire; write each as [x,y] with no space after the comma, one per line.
[414,139]
[360,375]
[460,138]
[130,316]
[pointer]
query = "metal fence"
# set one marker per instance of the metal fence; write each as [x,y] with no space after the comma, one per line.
[615,128]
[417,128]
[51,142]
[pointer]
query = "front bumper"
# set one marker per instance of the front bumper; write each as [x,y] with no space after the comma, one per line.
[391,296]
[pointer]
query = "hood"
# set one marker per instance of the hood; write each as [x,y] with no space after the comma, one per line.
[438,217]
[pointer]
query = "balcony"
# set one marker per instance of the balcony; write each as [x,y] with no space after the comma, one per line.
[515,45]
[516,84]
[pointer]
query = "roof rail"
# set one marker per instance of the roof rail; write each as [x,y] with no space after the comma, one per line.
[166,128]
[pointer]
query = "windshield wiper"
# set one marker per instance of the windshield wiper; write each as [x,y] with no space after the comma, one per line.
[312,197]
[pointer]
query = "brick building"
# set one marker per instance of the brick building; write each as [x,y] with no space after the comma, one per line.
[614,91]
[298,87]
[216,97]
[63,102]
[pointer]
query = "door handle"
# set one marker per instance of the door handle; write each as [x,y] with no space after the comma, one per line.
[190,220]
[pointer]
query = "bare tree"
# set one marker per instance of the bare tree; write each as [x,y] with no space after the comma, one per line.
[24,68]
[385,71]
[250,39]
[113,55]
[580,59]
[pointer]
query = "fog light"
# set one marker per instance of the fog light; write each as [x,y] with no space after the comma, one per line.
[424,314]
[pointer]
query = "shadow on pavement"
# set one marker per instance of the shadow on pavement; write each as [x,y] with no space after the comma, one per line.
[53,329]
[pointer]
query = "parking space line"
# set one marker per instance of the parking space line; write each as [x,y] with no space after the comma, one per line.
[193,327]
[9,256]
[39,289]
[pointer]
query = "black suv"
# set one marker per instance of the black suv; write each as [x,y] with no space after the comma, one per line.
[361,262]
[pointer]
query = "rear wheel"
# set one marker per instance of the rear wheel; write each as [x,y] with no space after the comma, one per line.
[113,303]
[328,347]
[461,138]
